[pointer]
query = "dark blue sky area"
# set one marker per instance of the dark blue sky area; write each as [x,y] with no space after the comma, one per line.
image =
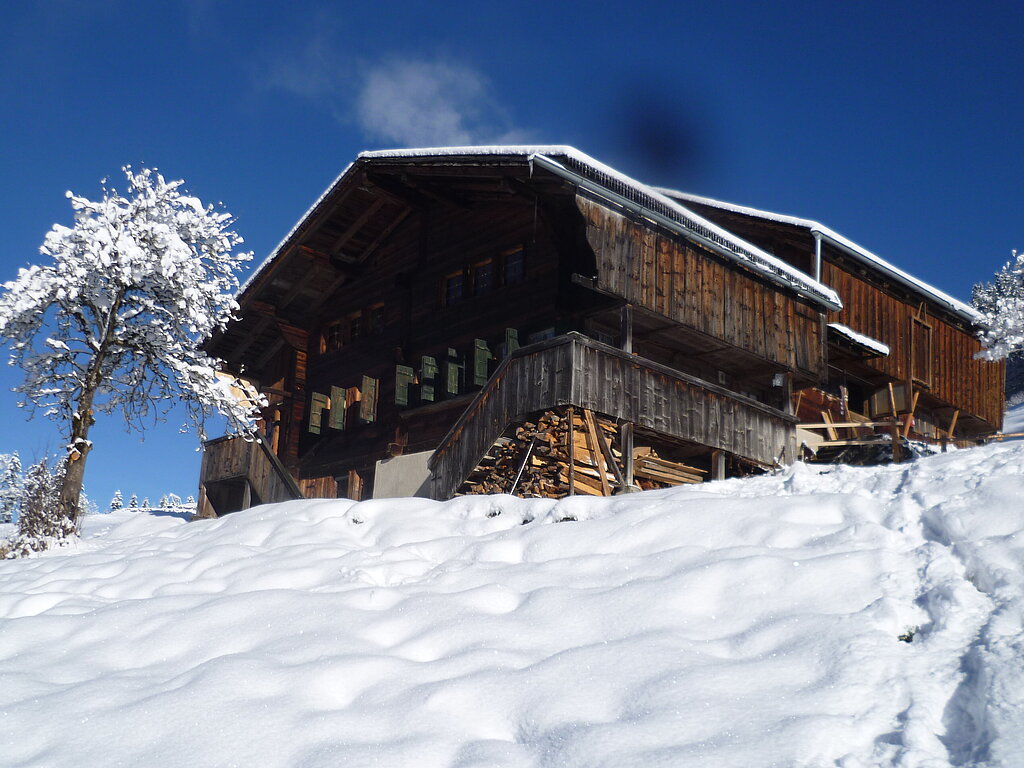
[895,124]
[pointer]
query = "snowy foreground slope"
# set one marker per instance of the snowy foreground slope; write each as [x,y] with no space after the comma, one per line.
[745,623]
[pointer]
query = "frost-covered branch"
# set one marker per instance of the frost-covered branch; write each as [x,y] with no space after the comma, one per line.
[116,320]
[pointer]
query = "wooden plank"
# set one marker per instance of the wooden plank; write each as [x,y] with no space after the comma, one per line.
[595,450]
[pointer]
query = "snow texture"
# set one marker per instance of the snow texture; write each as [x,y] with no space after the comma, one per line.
[860,338]
[958,307]
[732,624]
[816,289]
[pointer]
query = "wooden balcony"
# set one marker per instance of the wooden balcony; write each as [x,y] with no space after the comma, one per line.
[576,370]
[237,474]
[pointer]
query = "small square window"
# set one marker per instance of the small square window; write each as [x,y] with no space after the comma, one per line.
[375,320]
[483,277]
[453,288]
[331,337]
[515,266]
[355,326]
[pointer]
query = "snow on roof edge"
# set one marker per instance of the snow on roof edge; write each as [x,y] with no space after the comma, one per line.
[817,289]
[966,311]
[860,338]
[273,254]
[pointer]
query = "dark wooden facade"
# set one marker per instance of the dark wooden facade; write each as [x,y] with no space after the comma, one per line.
[932,341]
[396,316]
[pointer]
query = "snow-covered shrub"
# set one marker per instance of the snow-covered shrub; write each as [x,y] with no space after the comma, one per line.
[41,522]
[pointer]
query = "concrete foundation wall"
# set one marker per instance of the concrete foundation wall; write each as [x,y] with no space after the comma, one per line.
[403,476]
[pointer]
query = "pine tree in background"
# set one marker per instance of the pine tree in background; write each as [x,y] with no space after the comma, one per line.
[117,502]
[145,502]
[1001,302]
[10,486]
[41,520]
[163,501]
[115,323]
[173,501]
[133,502]
[190,501]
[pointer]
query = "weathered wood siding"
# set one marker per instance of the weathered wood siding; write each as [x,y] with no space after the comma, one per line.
[957,379]
[691,286]
[574,369]
[228,459]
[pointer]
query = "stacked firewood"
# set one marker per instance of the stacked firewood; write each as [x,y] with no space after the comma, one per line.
[569,451]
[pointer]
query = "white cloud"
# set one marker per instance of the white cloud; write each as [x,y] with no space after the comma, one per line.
[430,103]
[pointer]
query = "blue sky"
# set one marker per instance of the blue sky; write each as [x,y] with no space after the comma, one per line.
[897,124]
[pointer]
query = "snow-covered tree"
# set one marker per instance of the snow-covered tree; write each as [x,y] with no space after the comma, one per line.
[1001,302]
[173,501]
[190,501]
[133,502]
[163,501]
[41,520]
[115,322]
[117,502]
[10,485]
[145,502]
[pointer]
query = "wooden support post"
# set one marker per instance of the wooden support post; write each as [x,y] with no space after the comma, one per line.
[897,446]
[952,423]
[246,494]
[718,465]
[626,329]
[570,449]
[606,451]
[908,420]
[892,401]
[626,443]
[355,485]
[595,452]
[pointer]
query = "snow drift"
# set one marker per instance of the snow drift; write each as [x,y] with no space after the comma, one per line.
[742,623]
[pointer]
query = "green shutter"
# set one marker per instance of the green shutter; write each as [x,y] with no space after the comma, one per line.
[368,403]
[337,417]
[318,403]
[404,376]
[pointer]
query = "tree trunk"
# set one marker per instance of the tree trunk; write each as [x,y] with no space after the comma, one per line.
[74,463]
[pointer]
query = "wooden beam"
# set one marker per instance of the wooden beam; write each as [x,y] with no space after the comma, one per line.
[718,465]
[595,451]
[952,423]
[909,418]
[384,235]
[356,225]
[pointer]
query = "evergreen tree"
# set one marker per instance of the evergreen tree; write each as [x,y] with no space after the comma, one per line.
[163,501]
[174,501]
[145,502]
[1001,302]
[10,486]
[117,502]
[41,520]
[133,502]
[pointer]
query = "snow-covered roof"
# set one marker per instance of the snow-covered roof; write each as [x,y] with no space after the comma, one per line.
[957,307]
[569,161]
[860,339]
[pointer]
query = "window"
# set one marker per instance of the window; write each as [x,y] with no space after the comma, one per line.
[355,327]
[515,266]
[375,320]
[483,277]
[331,338]
[453,285]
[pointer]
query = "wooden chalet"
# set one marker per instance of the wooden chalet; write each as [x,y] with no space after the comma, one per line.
[527,320]
[897,348]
